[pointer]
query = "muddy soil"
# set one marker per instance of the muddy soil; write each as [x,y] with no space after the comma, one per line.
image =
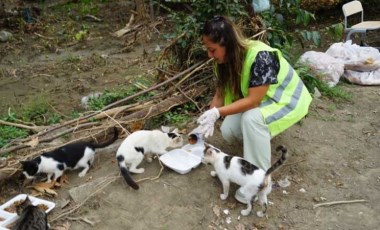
[334,152]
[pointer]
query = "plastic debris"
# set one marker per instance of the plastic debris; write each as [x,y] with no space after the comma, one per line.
[226,211]
[260,214]
[228,220]
[302,190]
[284,182]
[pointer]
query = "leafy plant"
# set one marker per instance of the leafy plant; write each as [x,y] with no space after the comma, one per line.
[281,18]
[336,31]
[312,82]
[110,96]
[8,133]
[39,112]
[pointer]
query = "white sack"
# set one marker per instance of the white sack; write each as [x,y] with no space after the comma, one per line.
[363,78]
[330,68]
[357,58]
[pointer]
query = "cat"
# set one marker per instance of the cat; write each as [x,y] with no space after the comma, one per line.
[70,156]
[31,217]
[253,180]
[132,150]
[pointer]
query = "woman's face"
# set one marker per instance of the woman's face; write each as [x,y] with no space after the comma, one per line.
[214,50]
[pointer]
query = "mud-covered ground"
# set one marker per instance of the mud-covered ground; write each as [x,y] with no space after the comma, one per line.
[334,152]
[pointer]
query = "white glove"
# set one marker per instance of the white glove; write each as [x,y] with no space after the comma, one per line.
[209,117]
[206,122]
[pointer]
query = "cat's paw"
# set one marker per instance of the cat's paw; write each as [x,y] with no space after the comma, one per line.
[223,196]
[140,170]
[149,159]
[213,173]
[245,212]
[82,174]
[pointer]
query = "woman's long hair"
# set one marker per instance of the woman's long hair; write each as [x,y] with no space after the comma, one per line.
[224,32]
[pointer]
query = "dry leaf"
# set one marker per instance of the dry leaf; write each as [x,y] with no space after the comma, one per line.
[64,179]
[45,188]
[216,210]
[240,227]
[33,143]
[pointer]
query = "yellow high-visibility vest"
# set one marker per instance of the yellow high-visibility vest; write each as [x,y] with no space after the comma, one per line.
[286,102]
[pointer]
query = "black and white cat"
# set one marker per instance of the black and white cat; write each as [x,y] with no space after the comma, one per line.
[253,180]
[131,152]
[70,156]
[31,217]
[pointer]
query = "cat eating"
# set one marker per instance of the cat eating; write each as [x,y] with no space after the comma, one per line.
[71,156]
[30,217]
[131,152]
[253,180]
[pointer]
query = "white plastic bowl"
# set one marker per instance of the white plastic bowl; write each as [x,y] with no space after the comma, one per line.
[181,160]
[12,217]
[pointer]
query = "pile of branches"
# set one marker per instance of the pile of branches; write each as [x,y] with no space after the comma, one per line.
[176,90]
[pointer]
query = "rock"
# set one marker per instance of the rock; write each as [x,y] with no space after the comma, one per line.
[82,192]
[5,36]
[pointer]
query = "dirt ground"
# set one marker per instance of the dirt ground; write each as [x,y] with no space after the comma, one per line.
[334,152]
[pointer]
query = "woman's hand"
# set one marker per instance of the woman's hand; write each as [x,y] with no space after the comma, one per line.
[206,122]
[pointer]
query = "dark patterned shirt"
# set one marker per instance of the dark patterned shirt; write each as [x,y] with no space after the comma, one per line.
[264,69]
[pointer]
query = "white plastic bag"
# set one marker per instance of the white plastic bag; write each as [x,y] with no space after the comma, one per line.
[363,78]
[260,5]
[330,68]
[357,58]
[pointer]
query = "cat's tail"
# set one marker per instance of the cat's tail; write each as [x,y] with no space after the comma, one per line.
[125,173]
[110,141]
[280,161]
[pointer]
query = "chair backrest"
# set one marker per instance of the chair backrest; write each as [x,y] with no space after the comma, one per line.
[351,8]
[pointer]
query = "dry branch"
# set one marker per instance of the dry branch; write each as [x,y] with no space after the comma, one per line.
[338,202]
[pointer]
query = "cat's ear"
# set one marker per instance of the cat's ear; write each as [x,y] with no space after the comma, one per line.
[165,129]
[175,130]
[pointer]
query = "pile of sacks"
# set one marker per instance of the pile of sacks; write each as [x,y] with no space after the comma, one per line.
[359,65]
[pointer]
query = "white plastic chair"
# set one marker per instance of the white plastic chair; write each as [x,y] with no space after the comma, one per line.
[355,7]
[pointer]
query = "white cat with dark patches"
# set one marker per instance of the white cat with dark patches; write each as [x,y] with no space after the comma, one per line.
[71,156]
[131,152]
[253,180]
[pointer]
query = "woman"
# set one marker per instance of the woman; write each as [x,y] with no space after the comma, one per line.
[257,91]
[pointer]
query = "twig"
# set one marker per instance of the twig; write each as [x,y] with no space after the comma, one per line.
[293,163]
[33,128]
[156,177]
[87,221]
[108,181]
[24,145]
[338,202]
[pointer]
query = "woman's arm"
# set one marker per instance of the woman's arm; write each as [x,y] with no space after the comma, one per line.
[253,100]
[217,100]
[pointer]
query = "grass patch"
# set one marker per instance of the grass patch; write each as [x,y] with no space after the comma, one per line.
[8,133]
[39,112]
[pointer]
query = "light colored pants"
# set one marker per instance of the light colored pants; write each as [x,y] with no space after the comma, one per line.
[249,127]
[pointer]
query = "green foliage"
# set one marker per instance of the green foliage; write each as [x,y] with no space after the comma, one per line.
[188,24]
[177,116]
[39,112]
[8,133]
[336,31]
[281,18]
[313,82]
[110,96]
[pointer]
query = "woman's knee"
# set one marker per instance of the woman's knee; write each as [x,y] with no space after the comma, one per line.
[253,116]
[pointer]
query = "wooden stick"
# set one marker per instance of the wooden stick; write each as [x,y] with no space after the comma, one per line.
[338,202]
